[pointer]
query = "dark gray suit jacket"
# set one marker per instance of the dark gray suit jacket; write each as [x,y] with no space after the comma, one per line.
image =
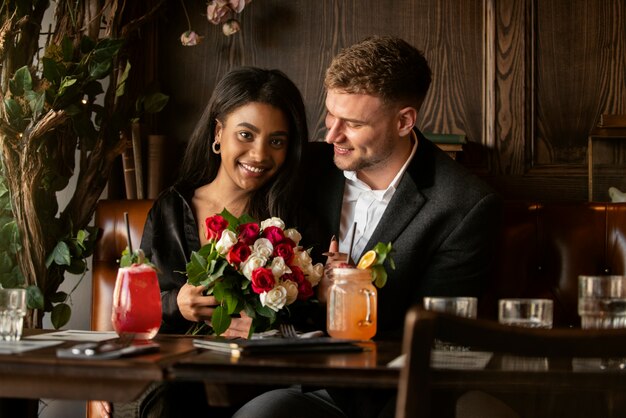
[442,222]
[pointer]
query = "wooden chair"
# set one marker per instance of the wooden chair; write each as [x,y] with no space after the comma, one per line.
[418,383]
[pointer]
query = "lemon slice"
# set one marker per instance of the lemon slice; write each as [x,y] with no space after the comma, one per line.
[367,260]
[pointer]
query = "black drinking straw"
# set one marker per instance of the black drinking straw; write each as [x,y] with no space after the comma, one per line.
[130,244]
[351,242]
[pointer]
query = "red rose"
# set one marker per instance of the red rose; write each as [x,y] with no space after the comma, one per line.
[274,234]
[296,275]
[215,225]
[305,290]
[290,242]
[262,280]
[285,251]
[248,233]
[238,253]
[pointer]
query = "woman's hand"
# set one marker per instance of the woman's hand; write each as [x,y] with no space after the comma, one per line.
[194,305]
[334,259]
[239,327]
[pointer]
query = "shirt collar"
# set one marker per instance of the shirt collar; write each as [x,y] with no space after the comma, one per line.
[386,194]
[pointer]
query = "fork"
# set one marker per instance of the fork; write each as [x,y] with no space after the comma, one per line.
[288,331]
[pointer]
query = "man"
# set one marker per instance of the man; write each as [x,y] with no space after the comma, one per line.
[382,177]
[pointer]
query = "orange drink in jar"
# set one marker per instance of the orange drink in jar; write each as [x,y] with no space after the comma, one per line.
[352,300]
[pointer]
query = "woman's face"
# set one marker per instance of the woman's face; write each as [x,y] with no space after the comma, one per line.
[253,145]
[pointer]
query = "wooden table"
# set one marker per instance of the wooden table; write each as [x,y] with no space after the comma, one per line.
[40,374]
[361,369]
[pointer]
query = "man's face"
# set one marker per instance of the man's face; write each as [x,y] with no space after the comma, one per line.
[363,131]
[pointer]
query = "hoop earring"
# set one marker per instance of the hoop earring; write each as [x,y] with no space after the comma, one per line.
[216,147]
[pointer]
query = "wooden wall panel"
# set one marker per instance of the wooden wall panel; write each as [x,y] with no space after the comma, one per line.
[300,37]
[525,80]
[580,74]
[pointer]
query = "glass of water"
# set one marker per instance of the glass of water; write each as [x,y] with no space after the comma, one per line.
[12,312]
[602,304]
[459,306]
[529,313]
[602,301]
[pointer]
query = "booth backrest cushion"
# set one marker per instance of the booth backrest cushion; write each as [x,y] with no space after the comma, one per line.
[544,247]
[109,218]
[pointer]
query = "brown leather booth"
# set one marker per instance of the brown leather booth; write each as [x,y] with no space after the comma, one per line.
[542,249]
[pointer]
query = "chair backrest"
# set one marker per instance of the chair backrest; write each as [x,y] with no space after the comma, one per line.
[109,218]
[423,327]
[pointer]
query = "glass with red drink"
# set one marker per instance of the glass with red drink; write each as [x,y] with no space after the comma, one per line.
[137,302]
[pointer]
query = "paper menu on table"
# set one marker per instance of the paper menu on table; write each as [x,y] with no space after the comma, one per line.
[458,360]
[75,335]
[15,347]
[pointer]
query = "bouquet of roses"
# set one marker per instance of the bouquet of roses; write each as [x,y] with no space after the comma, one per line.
[258,268]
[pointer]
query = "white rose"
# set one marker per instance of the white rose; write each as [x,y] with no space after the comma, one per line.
[252,263]
[292,291]
[279,267]
[227,240]
[301,259]
[275,299]
[263,248]
[293,235]
[314,274]
[273,221]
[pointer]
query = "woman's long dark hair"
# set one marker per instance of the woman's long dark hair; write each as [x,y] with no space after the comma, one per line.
[280,196]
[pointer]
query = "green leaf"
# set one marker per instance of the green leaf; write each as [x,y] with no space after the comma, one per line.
[266,312]
[14,113]
[107,48]
[34,297]
[52,71]
[86,44]
[379,276]
[232,220]
[93,88]
[216,273]
[60,255]
[77,266]
[60,315]
[68,49]
[232,301]
[58,297]
[121,82]
[155,102]
[220,321]
[36,101]
[196,269]
[100,69]
[23,81]
[10,237]
[66,84]
[6,262]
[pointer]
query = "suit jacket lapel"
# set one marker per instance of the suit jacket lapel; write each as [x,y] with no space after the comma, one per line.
[408,198]
[405,203]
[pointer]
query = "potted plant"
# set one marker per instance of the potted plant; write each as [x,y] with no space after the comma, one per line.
[63,107]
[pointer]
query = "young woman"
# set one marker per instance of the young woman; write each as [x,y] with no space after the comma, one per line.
[244,156]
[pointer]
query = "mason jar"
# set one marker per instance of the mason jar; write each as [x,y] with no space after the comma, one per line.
[352,300]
